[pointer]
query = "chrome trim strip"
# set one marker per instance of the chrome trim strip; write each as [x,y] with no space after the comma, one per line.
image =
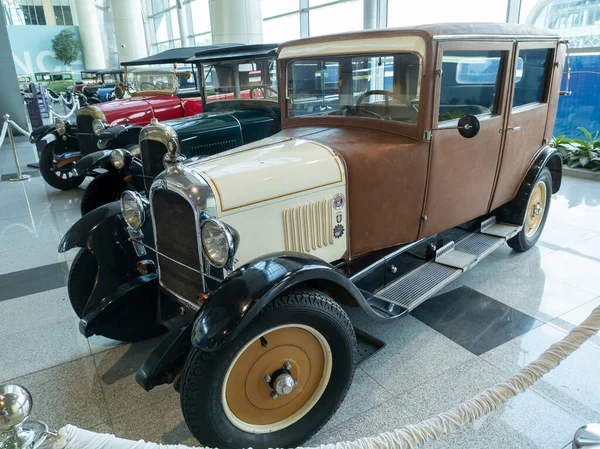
[441,37]
[356,277]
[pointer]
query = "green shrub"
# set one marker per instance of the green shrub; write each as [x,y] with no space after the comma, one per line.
[578,152]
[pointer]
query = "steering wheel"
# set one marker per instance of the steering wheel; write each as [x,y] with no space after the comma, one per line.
[386,93]
[152,86]
[261,91]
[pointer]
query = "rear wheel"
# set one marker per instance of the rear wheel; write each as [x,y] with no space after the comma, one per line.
[536,213]
[278,382]
[61,178]
[103,189]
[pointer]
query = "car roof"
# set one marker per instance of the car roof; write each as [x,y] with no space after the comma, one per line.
[439,31]
[236,52]
[174,55]
[108,71]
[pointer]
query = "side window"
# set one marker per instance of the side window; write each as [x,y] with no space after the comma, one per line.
[67,76]
[531,84]
[57,77]
[470,83]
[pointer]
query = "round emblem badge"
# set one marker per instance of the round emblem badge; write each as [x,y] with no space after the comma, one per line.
[338,201]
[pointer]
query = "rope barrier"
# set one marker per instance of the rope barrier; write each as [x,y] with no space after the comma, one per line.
[6,129]
[409,437]
[15,126]
[64,117]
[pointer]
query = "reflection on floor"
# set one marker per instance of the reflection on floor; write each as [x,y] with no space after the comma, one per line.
[499,316]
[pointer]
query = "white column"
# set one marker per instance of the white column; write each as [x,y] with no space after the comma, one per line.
[236,21]
[374,14]
[49,12]
[182,19]
[89,31]
[513,11]
[129,29]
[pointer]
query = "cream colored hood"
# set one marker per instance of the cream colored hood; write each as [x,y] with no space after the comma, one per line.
[270,170]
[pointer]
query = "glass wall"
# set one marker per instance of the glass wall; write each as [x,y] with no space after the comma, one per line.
[579,22]
[405,13]
[62,12]
[164,23]
[285,20]
[24,12]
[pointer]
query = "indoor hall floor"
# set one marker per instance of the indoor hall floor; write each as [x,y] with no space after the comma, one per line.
[500,315]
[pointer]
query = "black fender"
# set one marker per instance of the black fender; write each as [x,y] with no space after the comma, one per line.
[134,302]
[41,132]
[244,293]
[514,211]
[119,136]
[103,232]
[97,159]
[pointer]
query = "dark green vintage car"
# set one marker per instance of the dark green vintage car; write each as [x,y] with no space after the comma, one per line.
[240,101]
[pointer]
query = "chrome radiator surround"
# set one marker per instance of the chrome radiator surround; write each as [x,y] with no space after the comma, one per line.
[194,189]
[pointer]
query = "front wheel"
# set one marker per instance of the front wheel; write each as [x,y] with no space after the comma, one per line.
[103,189]
[535,214]
[61,178]
[278,382]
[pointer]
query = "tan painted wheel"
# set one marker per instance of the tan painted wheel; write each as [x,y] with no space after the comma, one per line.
[535,209]
[248,398]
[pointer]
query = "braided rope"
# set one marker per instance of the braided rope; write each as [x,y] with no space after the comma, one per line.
[409,437]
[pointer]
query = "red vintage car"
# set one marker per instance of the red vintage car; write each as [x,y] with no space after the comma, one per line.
[153,90]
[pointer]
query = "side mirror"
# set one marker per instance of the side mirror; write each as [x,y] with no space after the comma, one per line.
[468,126]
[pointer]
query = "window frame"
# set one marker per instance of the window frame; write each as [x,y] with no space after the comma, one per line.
[546,82]
[502,84]
[317,117]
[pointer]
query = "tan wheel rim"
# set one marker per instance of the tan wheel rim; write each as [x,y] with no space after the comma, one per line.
[246,395]
[535,209]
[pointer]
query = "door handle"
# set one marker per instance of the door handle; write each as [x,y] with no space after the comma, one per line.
[514,128]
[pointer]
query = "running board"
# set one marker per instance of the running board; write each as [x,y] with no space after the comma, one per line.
[451,260]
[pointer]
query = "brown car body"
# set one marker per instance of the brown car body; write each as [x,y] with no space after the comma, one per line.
[440,179]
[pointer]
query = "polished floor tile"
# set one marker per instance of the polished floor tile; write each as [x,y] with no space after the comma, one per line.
[161,422]
[575,317]
[117,368]
[68,393]
[24,170]
[412,348]
[40,348]
[33,280]
[473,320]
[575,270]
[24,238]
[34,311]
[523,283]
[573,384]
[30,257]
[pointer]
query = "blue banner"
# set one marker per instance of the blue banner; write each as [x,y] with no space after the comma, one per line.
[32,49]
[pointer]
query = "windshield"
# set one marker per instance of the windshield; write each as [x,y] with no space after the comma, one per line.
[159,79]
[248,80]
[384,87]
[110,78]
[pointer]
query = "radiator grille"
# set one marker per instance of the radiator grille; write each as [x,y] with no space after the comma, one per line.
[152,153]
[176,238]
[308,227]
[87,140]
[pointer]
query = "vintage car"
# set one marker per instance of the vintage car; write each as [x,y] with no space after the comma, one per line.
[24,81]
[156,95]
[104,85]
[430,151]
[240,104]
[55,82]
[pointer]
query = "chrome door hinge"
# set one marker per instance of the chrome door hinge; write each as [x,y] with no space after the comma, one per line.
[427,135]
[439,72]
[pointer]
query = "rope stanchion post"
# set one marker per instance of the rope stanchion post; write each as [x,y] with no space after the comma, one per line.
[20,176]
[587,437]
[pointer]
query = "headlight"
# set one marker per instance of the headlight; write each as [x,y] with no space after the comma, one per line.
[117,159]
[218,243]
[61,127]
[133,208]
[98,126]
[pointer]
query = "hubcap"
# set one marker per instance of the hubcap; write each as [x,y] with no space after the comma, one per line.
[276,379]
[535,209]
